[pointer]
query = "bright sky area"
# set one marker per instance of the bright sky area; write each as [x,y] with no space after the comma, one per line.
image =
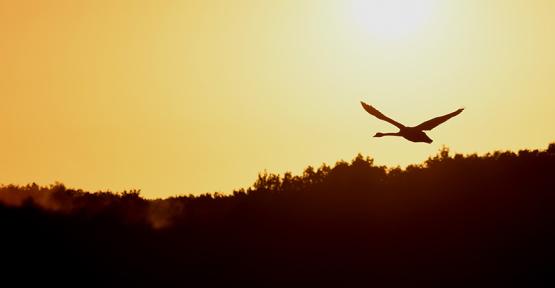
[179,97]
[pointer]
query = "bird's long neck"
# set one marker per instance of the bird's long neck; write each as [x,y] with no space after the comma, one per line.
[379,134]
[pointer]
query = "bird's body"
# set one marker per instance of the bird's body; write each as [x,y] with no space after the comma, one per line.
[414,134]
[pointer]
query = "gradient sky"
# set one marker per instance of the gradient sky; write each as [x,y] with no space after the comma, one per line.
[179,97]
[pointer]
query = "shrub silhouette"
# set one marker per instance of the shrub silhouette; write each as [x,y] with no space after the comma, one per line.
[461,220]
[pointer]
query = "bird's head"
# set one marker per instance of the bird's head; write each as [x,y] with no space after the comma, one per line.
[378,134]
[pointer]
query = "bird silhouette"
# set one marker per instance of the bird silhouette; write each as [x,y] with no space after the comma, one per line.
[414,134]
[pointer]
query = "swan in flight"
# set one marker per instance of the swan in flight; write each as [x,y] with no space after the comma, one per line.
[414,134]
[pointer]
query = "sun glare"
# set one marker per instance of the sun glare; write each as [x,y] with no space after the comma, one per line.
[392,19]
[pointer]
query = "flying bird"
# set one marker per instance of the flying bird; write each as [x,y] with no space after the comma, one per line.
[414,134]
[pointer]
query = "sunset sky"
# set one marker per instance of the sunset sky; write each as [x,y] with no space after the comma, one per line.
[179,97]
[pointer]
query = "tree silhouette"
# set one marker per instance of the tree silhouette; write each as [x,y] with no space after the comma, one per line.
[454,220]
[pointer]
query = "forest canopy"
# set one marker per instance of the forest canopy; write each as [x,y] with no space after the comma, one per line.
[465,218]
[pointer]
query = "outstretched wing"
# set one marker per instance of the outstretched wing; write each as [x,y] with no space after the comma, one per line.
[374,112]
[432,123]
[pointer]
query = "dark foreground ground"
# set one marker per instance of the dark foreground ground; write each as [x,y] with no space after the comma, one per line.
[454,221]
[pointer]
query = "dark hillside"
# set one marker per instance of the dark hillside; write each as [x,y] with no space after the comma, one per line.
[454,221]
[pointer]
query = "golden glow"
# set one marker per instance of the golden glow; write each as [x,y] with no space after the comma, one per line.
[393,19]
[197,96]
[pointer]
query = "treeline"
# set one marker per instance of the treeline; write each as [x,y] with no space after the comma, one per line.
[454,220]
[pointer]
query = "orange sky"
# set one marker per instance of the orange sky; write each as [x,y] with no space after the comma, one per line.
[179,97]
